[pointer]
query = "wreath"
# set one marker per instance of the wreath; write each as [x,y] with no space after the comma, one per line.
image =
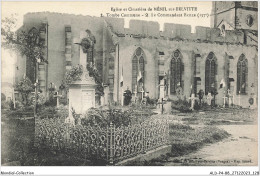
[179,91]
[74,74]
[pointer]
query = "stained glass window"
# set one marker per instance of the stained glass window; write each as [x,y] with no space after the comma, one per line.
[177,69]
[242,71]
[138,64]
[210,73]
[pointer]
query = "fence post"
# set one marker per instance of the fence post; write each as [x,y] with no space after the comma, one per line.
[111,157]
[143,137]
[36,126]
[168,132]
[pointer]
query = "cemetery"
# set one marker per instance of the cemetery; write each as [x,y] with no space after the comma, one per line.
[107,135]
[38,143]
[83,132]
[89,92]
[80,131]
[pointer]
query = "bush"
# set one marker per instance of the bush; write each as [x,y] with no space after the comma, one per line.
[119,117]
[11,105]
[181,105]
[50,102]
[103,118]
[20,113]
[18,105]
[3,97]
[197,105]
[4,105]
[53,112]
[62,111]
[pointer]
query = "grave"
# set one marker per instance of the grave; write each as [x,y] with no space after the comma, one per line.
[192,98]
[162,89]
[224,99]
[252,99]
[82,92]
[230,98]
[209,99]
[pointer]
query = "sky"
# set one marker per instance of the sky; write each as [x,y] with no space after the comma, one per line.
[95,9]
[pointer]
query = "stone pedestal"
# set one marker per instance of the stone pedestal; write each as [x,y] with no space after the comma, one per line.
[162,89]
[106,95]
[82,94]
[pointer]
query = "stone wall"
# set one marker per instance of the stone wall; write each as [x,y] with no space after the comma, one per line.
[188,49]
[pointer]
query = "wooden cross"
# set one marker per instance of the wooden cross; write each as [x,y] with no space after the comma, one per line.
[57,96]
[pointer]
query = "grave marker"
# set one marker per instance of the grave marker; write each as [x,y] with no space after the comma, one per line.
[192,98]
[209,98]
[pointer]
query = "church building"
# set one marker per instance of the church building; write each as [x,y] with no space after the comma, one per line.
[221,59]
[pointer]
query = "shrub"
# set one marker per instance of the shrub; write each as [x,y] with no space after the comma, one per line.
[3,97]
[18,105]
[62,111]
[197,105]
[53,112]
[4,105]
[118,116]
[11,105]
[46,112]
[181,105]
[102,118]
[25,87]
[20,112]
[50,102]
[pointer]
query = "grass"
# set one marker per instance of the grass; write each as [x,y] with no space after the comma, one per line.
[220,117]
[17,139]
[17,146]
[190,139]
[184,140]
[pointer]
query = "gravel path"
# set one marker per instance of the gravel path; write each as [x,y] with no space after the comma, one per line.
[239,149]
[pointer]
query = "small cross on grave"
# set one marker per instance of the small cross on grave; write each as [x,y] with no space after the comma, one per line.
[135,92]
[58,98]
[229,97]
[142,91]
[209,98]
[252,99]
[239,98]
[224,98]
[162,102]
[233,98]
[192,98]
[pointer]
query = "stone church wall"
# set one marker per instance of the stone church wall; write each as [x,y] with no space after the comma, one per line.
[146,35]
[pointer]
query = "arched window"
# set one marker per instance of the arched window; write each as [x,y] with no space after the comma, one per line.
[177,69]
[242,71]
[32,41]
[210,73]
[111,70]
[138,68]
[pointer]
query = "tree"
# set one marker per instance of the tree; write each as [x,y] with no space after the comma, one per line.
[3,97]
[27,43]
[25,87]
